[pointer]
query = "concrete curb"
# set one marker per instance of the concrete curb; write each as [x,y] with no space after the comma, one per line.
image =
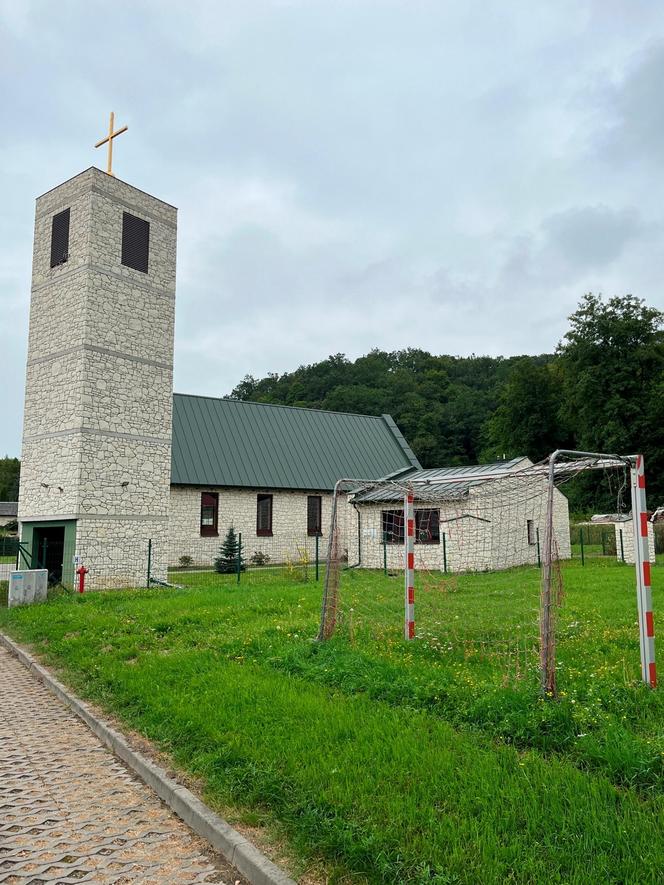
[237,850]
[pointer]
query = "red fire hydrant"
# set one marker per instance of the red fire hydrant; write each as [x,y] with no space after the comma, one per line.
[81,571]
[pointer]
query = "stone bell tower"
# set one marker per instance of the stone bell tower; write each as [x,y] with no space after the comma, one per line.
[96,461]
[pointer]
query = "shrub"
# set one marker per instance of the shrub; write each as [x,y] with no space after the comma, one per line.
[259,558]
[185,561]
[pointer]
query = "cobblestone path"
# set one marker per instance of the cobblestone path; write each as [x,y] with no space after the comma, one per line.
[70,812]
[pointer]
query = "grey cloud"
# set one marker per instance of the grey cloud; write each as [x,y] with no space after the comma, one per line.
[636,130]
[350,174]
[592,236]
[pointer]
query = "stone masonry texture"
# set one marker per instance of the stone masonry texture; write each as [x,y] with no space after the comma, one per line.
[99,379]
[71,812]
[237,507]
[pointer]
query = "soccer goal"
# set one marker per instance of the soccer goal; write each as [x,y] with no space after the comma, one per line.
[497,535]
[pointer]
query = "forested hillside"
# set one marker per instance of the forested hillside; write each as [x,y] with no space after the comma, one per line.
[9,473]
[601,390]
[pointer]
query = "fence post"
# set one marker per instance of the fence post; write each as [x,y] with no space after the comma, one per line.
[149,562]
[238,566]
[385,553]
[444,552]
[583,559]
[317,540]
[603,543]
[622,546]
[539,555]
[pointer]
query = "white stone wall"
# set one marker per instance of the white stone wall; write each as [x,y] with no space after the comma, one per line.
[237,507]
[486,531]
[116,551]
[98,403]
[628,541]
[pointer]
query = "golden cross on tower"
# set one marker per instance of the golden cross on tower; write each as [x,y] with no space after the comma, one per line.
[109,138]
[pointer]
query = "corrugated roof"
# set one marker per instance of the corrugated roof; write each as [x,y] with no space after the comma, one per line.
[445,483]
[223,442]
[8,508]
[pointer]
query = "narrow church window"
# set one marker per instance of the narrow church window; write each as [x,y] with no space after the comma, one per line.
[264,515]
[209,514]
[60,238]
[314,514]
[135,242]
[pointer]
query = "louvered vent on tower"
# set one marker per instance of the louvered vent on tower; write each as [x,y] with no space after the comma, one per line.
[60,238]
[135,242]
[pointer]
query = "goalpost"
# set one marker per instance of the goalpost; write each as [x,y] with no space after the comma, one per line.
[561,464]
[430,527]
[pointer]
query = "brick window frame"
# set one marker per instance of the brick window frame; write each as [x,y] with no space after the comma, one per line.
[314,515]
[209,519]
[264,507]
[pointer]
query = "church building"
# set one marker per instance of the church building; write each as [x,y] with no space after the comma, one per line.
[111,460]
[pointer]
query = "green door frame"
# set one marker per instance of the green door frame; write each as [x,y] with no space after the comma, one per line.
[27,532]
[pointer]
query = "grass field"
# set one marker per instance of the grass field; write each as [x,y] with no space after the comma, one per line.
[428,761]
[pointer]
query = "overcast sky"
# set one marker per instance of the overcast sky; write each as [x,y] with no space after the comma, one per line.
[451,175]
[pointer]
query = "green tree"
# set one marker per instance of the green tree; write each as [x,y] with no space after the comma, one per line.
[10,469]
[528,418]
[226,562]
[613,366]
[612,356]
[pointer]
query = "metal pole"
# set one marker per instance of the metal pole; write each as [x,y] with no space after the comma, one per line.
[385,553]
[149,561]
[583,559]
[444,553]
[238,566]
[409,565]
[317,539]
[642,565]
[622,546]
[539,554]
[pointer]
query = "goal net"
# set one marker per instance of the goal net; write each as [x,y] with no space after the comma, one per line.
[468,560]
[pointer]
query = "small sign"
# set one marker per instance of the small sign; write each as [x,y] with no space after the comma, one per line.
[77,560]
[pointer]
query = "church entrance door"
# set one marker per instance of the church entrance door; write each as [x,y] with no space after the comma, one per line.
[48,545]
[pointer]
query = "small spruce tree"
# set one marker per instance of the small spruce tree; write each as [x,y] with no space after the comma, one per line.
[226,562]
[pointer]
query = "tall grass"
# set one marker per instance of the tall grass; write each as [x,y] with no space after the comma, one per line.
[427,761]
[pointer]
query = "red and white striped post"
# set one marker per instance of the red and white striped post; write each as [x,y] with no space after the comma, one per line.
[642,562]
[409,569]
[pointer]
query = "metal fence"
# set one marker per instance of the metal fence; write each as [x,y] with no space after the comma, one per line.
[300,559]
[593,540]
[212,562]
[158,562]
[608,540]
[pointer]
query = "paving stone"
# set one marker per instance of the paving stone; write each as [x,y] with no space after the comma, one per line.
[70,812]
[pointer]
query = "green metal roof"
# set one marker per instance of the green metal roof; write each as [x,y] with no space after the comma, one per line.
[223,442]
